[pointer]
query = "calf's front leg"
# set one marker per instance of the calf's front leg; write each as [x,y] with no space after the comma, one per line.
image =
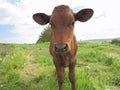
[60,76]
[72,74]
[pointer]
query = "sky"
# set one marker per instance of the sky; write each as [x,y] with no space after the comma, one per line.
[17,25]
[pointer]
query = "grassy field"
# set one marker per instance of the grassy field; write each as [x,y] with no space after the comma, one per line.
[30,67]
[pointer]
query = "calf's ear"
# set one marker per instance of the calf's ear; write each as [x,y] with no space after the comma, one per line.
[84,15]
[41,18]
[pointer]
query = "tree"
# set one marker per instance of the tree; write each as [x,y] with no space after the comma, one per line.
[116,42]
[45,35]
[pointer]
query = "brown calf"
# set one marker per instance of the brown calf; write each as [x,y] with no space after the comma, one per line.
[63,44]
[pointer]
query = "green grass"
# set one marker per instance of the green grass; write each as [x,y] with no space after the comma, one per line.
[30,67]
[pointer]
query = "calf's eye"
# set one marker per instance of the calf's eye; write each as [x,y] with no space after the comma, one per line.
[51,24]
[73,23]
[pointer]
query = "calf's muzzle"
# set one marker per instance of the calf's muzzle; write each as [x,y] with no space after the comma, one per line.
[61,47]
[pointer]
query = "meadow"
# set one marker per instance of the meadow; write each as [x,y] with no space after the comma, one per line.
[30,67]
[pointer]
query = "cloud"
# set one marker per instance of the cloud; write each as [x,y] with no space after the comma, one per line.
[19,13]
[19,17]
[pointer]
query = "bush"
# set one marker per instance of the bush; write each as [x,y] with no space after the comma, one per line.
[45,35]
[116,42]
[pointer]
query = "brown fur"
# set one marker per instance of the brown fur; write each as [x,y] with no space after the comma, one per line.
[62,23]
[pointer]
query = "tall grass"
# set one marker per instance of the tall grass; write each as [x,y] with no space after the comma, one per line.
[30,67]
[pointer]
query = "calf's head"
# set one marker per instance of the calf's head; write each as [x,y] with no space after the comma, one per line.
[62,22]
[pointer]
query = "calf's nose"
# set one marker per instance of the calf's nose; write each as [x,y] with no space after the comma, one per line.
[61,47]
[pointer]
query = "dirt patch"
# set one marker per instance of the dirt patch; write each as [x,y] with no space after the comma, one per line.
[113,54]
[30,69]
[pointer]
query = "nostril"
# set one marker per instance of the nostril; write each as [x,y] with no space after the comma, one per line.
[65,47]
[61,47]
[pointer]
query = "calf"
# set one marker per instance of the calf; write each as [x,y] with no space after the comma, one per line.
[63,44]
